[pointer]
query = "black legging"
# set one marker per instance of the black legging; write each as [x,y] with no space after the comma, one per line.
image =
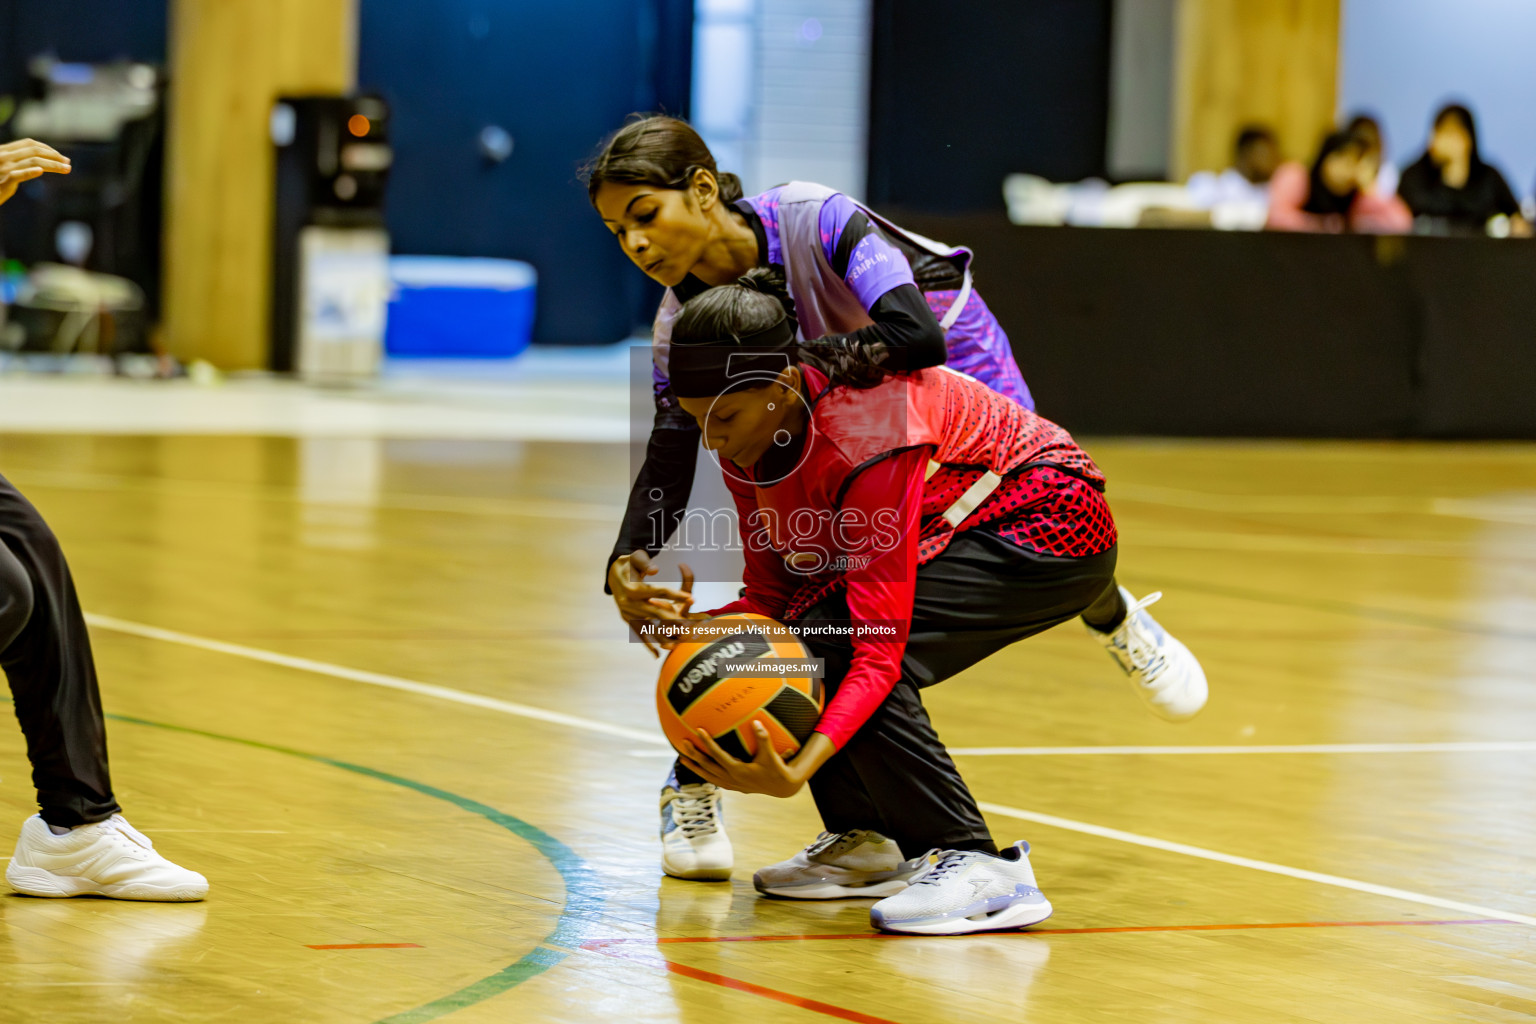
[980,595]
[46,654]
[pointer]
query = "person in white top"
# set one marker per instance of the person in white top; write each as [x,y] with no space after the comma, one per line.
[1255,157]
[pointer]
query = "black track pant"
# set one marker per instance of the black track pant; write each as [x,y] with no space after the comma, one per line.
[977,597]
[46,655]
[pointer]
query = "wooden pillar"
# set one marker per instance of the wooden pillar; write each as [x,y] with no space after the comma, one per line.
[229,60]
[1273,62]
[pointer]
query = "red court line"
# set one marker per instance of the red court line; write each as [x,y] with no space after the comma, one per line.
[597,944]
[814,1005]
[842,1013]
[370,945]
[1051,931]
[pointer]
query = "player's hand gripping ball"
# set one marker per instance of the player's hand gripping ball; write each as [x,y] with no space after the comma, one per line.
[696,691]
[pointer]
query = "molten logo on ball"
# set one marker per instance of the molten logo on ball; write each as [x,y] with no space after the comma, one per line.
[693,694]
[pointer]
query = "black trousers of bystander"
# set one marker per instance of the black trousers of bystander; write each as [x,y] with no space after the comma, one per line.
[45,652]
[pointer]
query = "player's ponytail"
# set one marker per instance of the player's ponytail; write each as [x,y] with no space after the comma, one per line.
[656,150]
[730,186]
[846,360]
[741,314]
[756,302]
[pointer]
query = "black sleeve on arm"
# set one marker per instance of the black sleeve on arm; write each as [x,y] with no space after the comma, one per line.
[905,334]
[670,457]
[1412,188]
[906,327]
[1504,196]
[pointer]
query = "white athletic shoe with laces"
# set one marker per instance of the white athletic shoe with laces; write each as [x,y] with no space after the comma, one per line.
[694,845]
[962,891]
[1163,672]
[839,866]
[108,858]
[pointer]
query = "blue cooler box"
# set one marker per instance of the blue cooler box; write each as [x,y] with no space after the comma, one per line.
[446,307]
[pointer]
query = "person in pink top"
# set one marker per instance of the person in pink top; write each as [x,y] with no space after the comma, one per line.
[1337,195]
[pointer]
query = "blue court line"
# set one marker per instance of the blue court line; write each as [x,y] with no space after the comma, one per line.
[583,896]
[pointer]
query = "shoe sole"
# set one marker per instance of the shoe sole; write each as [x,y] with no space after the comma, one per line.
[46,884]
[698,874]
[833,891]
[1020,916]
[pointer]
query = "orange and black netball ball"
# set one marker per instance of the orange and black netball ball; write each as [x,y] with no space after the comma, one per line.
[698,689]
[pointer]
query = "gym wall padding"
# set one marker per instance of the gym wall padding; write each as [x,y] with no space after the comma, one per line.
[1228,334]
[557,77]
[963,93]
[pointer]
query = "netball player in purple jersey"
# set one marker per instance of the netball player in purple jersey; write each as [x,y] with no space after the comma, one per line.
[863,290]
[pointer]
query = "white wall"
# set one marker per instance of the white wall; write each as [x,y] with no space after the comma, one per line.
[1141,88]
[1403,59]
[781,89]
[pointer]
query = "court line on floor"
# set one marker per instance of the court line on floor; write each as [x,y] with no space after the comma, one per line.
[1136,839]
[583,893]
[619,949]
[461,697]
[1452,747]
[323,668]
[1449,747]
[737,984]
[583,901]
[599,944]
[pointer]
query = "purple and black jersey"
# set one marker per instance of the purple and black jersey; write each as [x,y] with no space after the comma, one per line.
[852,275]
[876,282]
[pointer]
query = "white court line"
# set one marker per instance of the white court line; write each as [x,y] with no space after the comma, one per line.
[1247,862]
[524,711]
[1455,747]
[371,678]
[1469,747]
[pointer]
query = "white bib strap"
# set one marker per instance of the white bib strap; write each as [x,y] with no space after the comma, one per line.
[958,306]
[974,496]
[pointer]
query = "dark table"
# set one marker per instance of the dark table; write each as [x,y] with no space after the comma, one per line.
[1238,334]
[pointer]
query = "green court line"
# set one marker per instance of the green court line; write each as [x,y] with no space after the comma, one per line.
[583,898]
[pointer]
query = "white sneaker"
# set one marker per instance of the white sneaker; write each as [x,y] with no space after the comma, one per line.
[693,840]
[1162,670]
[966,891]
[839,866]
[108,858]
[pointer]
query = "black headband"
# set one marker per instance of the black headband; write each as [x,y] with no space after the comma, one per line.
[709,368]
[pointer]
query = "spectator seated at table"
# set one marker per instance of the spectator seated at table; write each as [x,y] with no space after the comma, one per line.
[1451,189]
[1337,195]
[1385,176]
[1255,157]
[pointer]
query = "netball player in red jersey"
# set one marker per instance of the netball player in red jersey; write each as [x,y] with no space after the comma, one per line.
[923,500]
[865,289]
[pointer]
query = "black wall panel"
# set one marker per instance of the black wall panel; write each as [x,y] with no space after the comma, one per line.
[557,77]
[963,94]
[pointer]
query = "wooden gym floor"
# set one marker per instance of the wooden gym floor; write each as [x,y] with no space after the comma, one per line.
[373,691]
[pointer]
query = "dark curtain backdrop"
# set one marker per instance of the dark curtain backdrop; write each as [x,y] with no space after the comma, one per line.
[81,30]
[557,77]
[963,94]
[128,228]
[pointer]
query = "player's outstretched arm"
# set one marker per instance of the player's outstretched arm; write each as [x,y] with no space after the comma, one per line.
[26,159]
